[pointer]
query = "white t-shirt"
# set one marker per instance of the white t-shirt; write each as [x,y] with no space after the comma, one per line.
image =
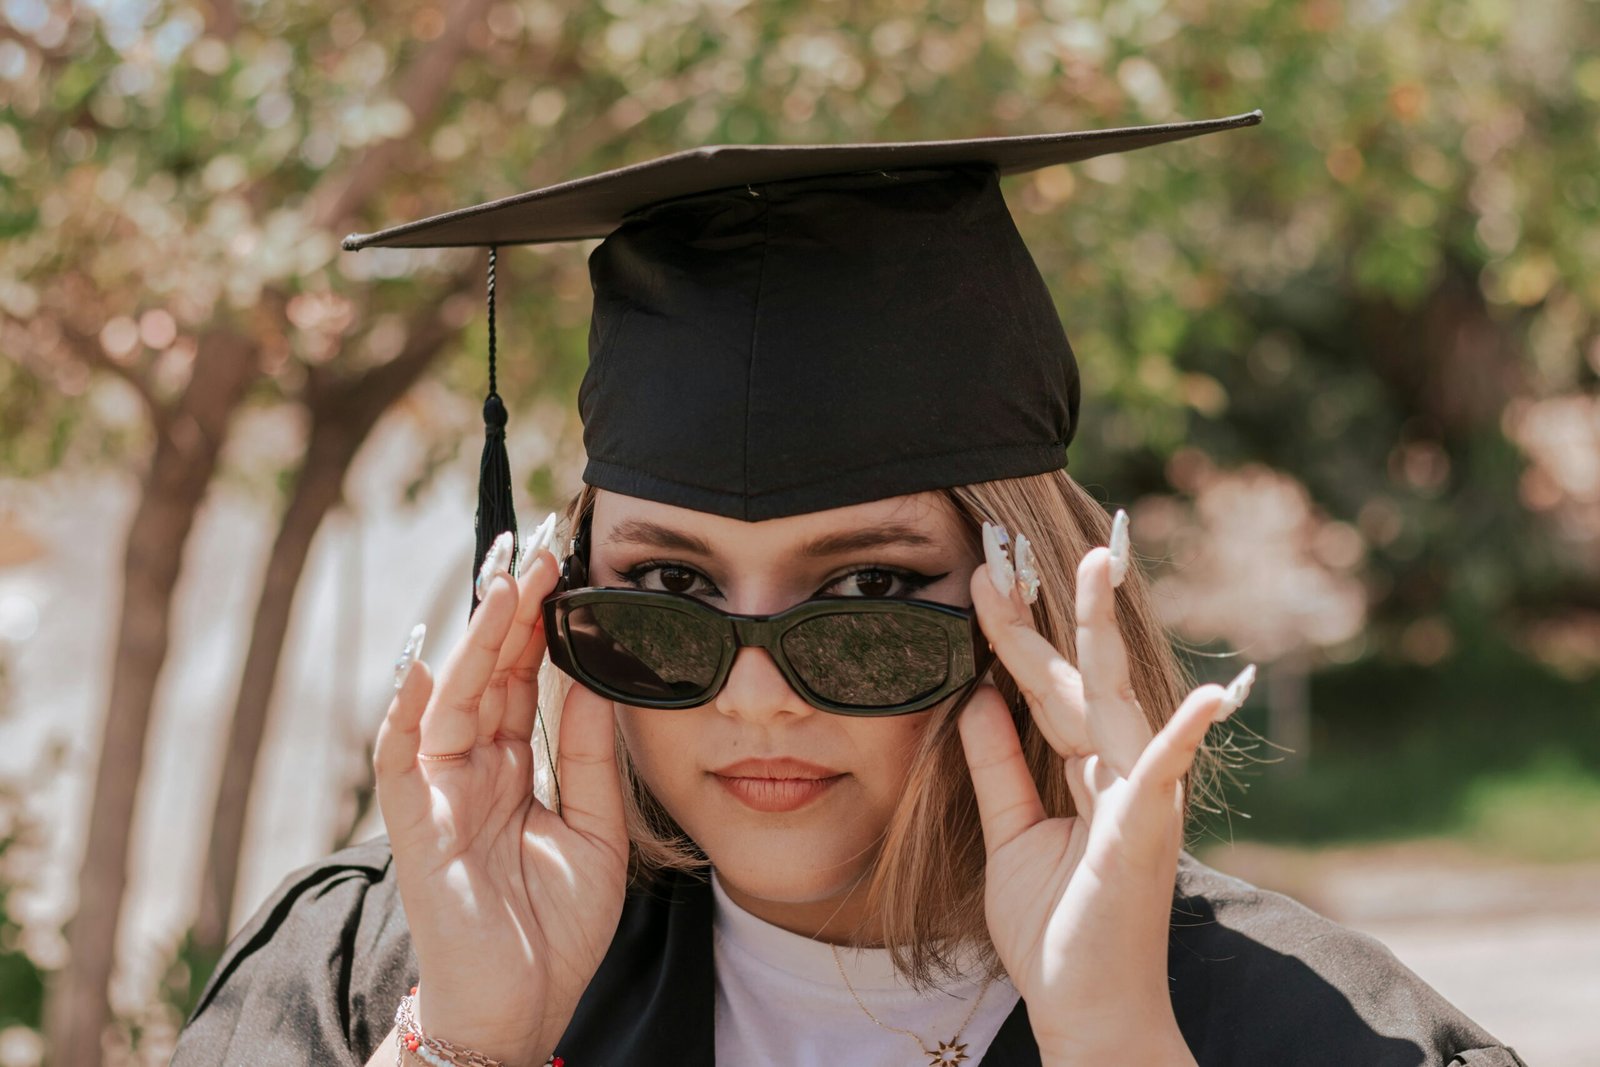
[781,1002]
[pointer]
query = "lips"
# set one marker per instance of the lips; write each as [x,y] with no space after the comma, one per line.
[776,785]
[779,767]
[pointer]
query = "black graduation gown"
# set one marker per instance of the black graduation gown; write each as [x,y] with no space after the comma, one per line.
[1256,978]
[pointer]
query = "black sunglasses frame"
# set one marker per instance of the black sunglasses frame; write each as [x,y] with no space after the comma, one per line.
[969,652]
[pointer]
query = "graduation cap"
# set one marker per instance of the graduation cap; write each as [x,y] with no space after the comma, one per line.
[780,329]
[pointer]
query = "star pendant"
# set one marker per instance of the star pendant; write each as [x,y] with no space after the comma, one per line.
[948,1052]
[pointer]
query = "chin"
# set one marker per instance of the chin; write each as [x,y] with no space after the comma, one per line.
[789,866]
[788,874]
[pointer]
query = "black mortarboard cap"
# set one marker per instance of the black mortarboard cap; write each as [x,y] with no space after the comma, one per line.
[787,328]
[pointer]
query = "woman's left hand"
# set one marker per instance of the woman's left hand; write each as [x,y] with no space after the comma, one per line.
[1078,907]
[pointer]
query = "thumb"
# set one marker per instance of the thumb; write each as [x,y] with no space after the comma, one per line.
[587,775]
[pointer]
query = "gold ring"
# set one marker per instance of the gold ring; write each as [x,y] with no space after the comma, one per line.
[451,755]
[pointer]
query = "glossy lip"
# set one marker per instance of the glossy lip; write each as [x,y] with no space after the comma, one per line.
[776,784]
[777,767]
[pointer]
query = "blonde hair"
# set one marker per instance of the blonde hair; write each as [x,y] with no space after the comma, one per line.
[927,882]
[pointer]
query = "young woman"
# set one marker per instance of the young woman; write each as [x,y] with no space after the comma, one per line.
[868,745]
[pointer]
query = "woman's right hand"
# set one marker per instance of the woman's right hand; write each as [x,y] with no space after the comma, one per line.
[511,906]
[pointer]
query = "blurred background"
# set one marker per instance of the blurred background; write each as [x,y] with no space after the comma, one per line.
[1342,368]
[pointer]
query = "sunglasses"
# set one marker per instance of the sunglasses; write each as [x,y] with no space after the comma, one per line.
[846,655]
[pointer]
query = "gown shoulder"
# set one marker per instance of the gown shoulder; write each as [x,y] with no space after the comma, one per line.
[1257,977]
[314,976]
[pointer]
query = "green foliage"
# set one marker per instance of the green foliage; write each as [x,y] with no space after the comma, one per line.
[1548,810]
[1486,745]
[21,980]
[187,972]
[21,846]
[540,484]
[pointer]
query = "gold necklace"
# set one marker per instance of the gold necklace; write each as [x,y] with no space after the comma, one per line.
[948,1052]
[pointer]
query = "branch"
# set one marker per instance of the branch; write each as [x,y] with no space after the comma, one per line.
[381,385]
[85,348]
[562,158]
[423,87]
[222,19]
[363,397]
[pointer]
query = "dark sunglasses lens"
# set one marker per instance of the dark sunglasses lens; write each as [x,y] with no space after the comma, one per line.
[647,651]
[869,659]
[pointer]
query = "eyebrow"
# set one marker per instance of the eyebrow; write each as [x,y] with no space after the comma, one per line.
[837,544]
[654,535]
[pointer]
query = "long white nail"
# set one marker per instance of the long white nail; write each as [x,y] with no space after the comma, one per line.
[1027,575]
[409,654]
[542,539]
[497,560]
[545,535]
[995,541]
[1119,548]
[1237,691]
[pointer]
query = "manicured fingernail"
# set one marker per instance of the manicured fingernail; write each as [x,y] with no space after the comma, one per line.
[496,561]
[1237,691]
[546,533]
[995,541]
[1119,548]
[1027,576]
[542,539]
[409,654]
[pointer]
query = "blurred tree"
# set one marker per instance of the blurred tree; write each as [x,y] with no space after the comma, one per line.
[1387,291]
[122,243]
[343,400]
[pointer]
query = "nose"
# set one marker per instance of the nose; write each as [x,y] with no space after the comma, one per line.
[757,691]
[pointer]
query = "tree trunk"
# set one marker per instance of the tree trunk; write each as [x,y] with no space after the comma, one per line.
[316,490]
[422,87]
[188,443]
[1288,693]
[1447,358]
[343,414]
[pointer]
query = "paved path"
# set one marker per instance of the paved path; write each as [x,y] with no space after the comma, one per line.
[1517,947]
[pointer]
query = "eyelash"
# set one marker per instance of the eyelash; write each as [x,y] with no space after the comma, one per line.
[911,580]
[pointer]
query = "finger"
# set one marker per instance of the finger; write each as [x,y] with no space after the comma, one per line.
[1084,784]
[450,723]
[1053,689]
[1118,729]
[1171,752]
[1008,798]
[503,681]
[522,682]
[402,789]
[1152,818]
[586,765]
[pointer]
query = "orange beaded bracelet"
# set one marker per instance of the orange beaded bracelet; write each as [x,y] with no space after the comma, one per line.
[434,1051]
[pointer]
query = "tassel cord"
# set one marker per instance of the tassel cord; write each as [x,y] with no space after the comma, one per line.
[496,511]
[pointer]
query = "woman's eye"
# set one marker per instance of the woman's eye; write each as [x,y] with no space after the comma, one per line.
[669,577]
[869,583]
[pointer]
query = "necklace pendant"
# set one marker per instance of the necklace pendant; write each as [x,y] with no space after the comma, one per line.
[947,1052]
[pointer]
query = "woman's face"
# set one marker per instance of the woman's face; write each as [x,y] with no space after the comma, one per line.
[789,853]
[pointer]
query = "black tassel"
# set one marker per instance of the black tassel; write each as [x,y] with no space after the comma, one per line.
[496,513]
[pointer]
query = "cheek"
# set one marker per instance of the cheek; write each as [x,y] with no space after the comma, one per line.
[887,748]
[655,742]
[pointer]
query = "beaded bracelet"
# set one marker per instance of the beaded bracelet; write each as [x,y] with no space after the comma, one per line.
[434,1051]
